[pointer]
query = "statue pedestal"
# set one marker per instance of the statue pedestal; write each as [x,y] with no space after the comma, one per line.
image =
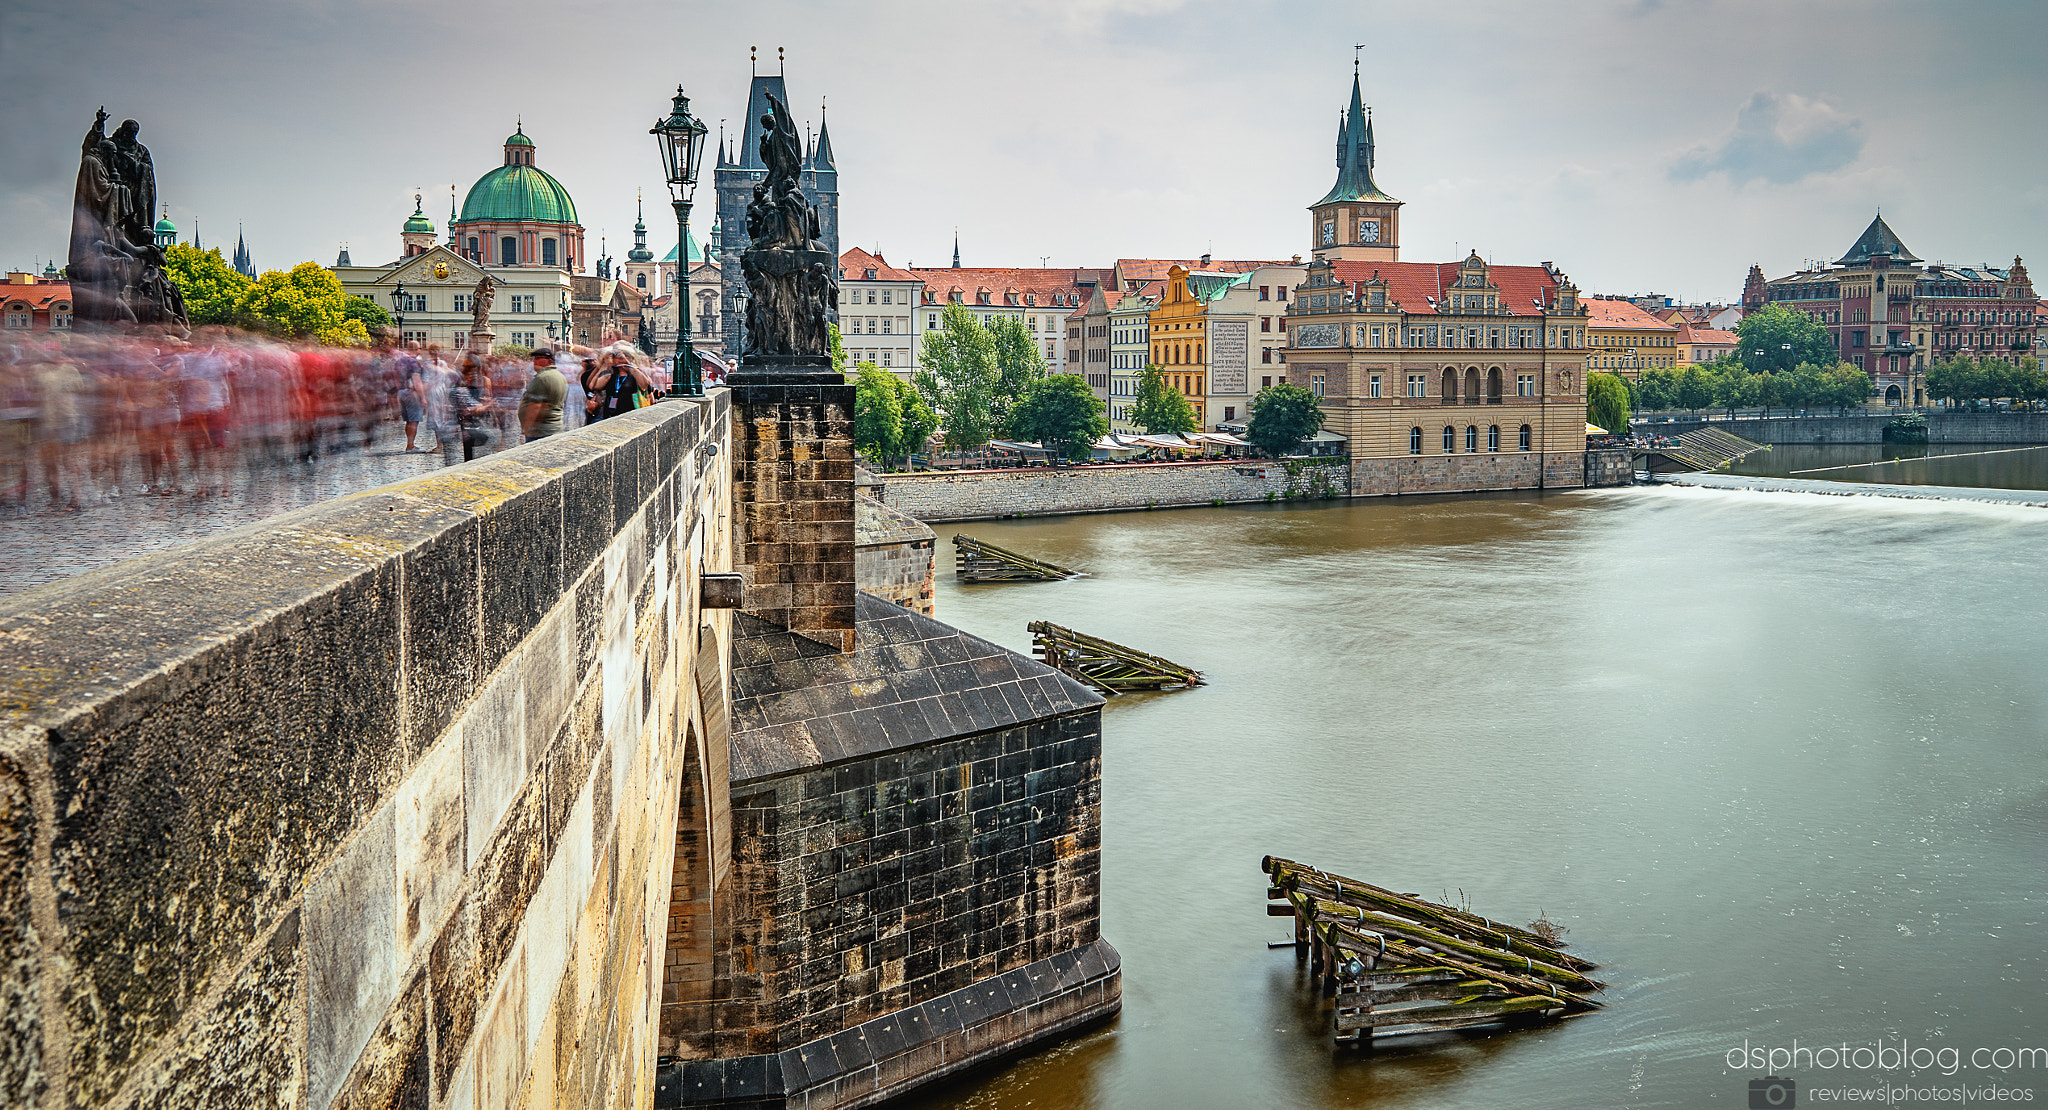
[480,341]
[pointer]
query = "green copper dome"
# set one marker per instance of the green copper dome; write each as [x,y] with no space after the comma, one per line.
[696,252]
[518,193]
[166,227]
[418,223]
[519,139]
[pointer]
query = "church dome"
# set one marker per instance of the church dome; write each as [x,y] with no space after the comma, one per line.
[696,252]
[518,190]
[418,223]
[165,226]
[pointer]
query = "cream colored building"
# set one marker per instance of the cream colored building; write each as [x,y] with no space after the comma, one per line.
[434,305]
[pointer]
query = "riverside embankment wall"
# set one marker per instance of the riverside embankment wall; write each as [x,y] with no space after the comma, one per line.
[948,495]
[1942,427]
[372,804]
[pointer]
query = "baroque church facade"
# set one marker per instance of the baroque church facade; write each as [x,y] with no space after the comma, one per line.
[1441,376]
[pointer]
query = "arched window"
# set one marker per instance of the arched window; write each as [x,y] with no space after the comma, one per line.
[1524,438]
[1198,354]
[1471,438]
[1493,437]
[508,251]
[473,249]
[1493,386]
[1472,385]
[640,280]
[1450,390]
[1415,441]
[1450,439]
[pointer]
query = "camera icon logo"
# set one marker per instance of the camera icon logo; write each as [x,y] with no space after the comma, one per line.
[1773,1093]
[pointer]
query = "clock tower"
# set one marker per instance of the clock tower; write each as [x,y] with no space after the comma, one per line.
[1355,221]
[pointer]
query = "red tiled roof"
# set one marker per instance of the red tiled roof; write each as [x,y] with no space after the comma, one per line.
[1154,269]
[39,296]
[1705,335]
[855,263]
[1006,287]
[1412,284]
[1602,313]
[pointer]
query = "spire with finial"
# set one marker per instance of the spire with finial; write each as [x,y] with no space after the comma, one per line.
[779,63]
[1354,151]
[452,240]
[821,159]
[753,61]
[244,265]
[956,248]
[639,253]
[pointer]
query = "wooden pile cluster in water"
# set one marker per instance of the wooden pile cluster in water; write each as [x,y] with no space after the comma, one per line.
[1395,963]
[980,561]
[1109,667]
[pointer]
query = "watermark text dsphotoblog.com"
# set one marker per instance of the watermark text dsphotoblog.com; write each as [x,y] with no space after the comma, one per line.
[1783,1087]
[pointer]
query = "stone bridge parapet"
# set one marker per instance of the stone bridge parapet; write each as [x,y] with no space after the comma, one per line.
[364,806]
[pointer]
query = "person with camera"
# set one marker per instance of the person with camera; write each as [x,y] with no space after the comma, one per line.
[615,384]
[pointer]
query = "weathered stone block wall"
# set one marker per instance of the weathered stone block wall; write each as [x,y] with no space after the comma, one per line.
[892,555]
[1047,491]
[369,805]
[1464,473]
[884,883]
[1609,467]
[1942,427]
[793,489]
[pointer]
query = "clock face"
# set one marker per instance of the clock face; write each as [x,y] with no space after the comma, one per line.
[1329,232]
[1369,231]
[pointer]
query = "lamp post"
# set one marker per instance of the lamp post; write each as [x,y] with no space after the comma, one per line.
[681,138]
[551,333]
[398,311]
[739,316]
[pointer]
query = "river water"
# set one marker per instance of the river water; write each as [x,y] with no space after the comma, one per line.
[1774,759]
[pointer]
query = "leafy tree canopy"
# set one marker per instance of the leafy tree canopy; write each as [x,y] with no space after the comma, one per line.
[1161,409]
[212,289]
[958,377]
[1764,336]
[1282,416]
[305,302]
[877,412]
[1062,414]
[1607,402]
[368,313]
[1018,364]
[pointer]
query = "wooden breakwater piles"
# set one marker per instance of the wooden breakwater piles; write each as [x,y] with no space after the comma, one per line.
[1394,963]
[1109,667]
[980,561]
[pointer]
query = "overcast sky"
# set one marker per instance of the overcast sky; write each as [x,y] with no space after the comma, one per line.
[1639,144]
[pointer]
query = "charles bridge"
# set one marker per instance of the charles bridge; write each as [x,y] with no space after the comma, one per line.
[556,778]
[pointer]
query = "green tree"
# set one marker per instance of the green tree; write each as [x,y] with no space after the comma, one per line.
[877,412]
[1062,414]
[368,313]
[838,349]
[1695,389]
[1657,389]
[1764,336]
[305,302]
[1955,379]
[958,377]
[919,421]
[1607,402]
[1844,386]
[1281,417]
[1018,364]
[1161,409]
[212,289]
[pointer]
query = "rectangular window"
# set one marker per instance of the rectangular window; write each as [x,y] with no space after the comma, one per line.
[1417,383]
[1266,382]
[931,322]
[1375,335]
[462,302]
[887,294]
[61,321]
[1315,384]
[1374,386]
[1264,292]
[1525,385]
[886,322]
[547,252]
[1265,323]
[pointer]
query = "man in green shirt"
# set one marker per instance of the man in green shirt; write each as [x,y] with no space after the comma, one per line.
[540,407]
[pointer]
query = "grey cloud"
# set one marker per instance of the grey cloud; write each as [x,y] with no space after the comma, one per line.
[1778,138]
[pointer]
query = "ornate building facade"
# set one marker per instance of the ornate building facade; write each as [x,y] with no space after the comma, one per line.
[1892,316]
[734,180]
[1441,376]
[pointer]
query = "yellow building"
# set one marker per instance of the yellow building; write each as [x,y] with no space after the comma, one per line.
[1696,345]
[1626,340]
[1179,326]
[1441,376]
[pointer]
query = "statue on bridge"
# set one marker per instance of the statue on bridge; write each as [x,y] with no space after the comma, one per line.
[115,264]
[793,281]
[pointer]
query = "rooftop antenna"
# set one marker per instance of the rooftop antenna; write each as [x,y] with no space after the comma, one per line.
[1044,261]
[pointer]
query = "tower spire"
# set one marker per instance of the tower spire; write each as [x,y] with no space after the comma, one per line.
[956,248]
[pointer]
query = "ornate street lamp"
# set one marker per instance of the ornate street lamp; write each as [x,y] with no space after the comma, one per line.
[739,316]
[681,138]
[398,310]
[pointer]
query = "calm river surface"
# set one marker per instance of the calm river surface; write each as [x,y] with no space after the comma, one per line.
[1775,759]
